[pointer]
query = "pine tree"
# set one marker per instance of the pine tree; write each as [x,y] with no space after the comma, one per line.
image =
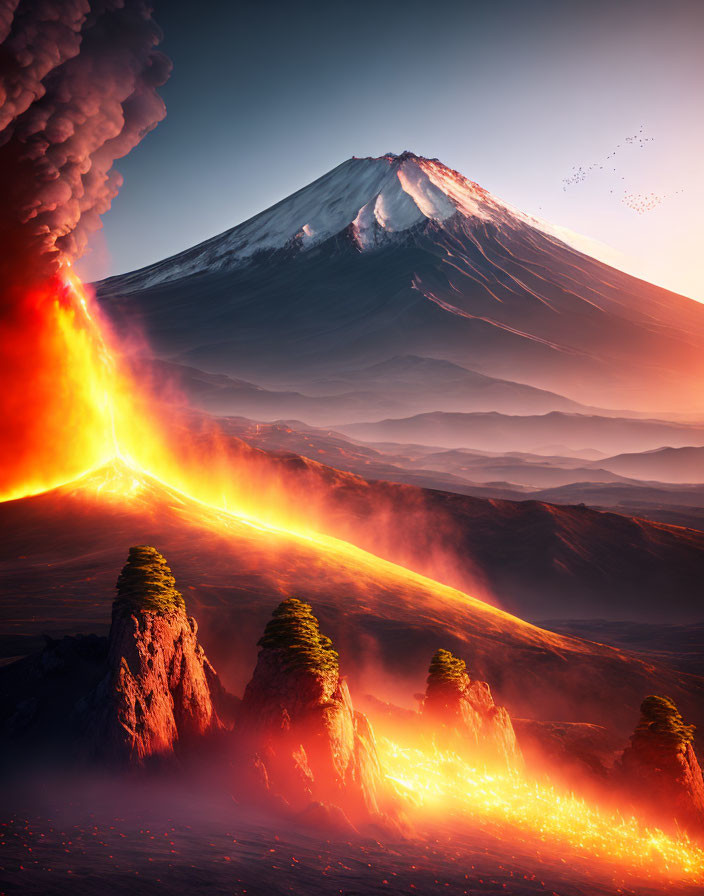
[660,720]
[146,584]
[445,668]
[295,631]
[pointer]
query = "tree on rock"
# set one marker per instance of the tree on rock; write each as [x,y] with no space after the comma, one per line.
[661,723]
[146,584]
[445,669]
[461,714]
[295,631]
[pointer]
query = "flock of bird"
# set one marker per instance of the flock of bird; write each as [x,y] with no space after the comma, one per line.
[638,202]
[645,202]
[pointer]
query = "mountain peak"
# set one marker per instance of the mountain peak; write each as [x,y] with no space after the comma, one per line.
[405,156]
[371,200]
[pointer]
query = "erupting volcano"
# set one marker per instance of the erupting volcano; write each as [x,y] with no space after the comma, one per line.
[355,709]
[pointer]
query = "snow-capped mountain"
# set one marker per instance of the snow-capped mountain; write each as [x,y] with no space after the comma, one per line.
[372,200]
[401,255]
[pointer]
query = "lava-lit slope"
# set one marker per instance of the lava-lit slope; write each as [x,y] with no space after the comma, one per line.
[397,255]
[536,559]
[61,551]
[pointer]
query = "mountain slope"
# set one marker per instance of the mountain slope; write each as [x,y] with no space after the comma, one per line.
[400,255]
[536,559]
[59,555]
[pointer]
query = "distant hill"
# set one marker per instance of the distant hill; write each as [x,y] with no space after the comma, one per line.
[682,465]
[503,433]
[398,386]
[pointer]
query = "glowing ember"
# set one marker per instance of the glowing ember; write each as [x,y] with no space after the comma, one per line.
[436,781]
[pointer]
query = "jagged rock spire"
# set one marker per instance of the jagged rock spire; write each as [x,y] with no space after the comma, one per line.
[158,691]
[300,735]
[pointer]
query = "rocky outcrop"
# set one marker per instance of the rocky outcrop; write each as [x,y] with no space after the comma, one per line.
[301,736]
[659,768]
[41,695]
[461,714]
[157,694]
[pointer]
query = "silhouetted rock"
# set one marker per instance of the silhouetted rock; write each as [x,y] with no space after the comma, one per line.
[41,696]
[297,725]
[144,692]
[461,714]
[156,694]
[660,768]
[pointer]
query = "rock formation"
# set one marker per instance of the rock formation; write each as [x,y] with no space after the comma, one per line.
[461,714]
[660,769]
[40,696]
[302,738]
[157,693]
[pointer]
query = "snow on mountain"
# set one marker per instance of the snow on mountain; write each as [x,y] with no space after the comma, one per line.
[401,255]
[372,199]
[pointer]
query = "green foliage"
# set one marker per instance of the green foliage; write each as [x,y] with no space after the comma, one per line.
[146,584]
[445,667]
[295,630]
[660,718]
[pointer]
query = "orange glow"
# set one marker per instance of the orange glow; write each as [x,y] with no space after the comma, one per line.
[450,786]
[78,405]
[56,391]
[76,409]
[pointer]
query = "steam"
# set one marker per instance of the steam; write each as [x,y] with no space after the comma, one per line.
[78,86]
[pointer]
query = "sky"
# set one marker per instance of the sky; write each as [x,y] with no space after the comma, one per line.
[266,96]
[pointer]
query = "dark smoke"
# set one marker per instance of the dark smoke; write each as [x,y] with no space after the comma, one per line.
[78,83]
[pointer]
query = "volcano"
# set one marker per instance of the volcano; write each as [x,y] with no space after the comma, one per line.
[400,255]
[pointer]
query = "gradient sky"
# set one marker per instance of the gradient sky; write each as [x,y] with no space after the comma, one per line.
[267,96]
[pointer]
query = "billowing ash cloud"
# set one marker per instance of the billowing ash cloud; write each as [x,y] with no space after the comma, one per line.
[78,83]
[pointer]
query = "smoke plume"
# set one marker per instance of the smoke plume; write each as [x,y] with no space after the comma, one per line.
[78,86]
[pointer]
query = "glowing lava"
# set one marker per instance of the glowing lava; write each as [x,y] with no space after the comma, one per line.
[520,808]
[71,407]
[94,413]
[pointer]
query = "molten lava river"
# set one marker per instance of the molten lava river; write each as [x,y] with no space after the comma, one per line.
[474,831]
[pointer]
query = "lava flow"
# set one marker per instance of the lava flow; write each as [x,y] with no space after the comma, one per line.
[441,783]
[116,424]
[70,403]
